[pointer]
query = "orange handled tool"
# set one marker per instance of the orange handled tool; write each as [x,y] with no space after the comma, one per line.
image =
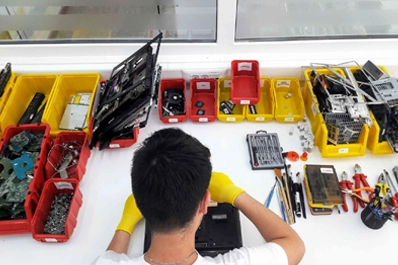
[393,198]
[360,177]
[346,185]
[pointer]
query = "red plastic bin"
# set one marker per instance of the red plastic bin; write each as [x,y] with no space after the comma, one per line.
[245,77]
[21,226]
[172,83]
[52,188]
[203,90]
[125,142]
[79,169]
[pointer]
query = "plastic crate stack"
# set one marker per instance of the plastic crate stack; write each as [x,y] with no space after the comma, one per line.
[41,160]
[245,95]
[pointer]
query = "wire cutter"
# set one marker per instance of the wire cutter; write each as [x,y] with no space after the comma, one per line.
[360,177]
[346,188]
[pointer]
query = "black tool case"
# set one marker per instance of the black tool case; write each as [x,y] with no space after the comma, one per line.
[264,150]
[124,101]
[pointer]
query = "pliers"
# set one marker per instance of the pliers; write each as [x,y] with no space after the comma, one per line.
[381,190]
[346,188]
[360,177]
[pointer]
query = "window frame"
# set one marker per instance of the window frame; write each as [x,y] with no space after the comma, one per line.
[174,57]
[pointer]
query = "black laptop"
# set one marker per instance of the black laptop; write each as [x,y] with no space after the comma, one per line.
[218,233]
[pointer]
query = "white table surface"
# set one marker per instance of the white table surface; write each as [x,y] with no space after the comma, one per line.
[335,239]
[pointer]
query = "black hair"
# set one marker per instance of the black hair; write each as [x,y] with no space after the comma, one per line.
[170,174]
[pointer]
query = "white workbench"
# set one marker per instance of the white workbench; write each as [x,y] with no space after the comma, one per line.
[336,239]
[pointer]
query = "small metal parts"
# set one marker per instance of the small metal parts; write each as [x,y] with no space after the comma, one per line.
[227,107]
[173,102]
[265,151]
[306,136]
[63,158]
[55,224]
[200,112]
[288,95]
[17,161]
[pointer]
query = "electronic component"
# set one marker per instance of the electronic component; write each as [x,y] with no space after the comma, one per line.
[5,76]
[226,107]
[200,112]
[17,161]
[173,102]
[32,109]
[218,233]
[264,150]
[199,104]
[322,188]
[75,113]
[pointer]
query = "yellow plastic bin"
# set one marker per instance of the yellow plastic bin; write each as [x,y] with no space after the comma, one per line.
[22,93]
[319,127]
[224,93]
[265,107]
[68,86]
[289,105]
[374,144]
[7,92]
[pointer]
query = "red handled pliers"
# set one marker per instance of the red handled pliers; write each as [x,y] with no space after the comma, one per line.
[360,177]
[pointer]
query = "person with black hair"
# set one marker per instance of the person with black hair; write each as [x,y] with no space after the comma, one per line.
[172,183]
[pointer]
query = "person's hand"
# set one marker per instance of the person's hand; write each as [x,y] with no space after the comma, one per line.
[222,189]
[131,216]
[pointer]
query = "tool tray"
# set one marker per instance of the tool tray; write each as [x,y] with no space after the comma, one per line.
[264,150]
[124,101]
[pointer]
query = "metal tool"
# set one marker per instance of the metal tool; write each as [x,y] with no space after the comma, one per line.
[347,184]
[394,194]
[360,177]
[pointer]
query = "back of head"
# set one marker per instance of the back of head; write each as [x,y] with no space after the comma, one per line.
[170,174]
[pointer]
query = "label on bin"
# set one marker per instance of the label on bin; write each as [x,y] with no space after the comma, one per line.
[231,119]
[260,119]
[203,119]
[63,185]
[283,83]
[326,170]
[244,66]
[289,119]
[227,83]
[343,150]
[245,102]
[51,240]
[173,120]
[203,85]
[314,108]
[114,146]
[262,82]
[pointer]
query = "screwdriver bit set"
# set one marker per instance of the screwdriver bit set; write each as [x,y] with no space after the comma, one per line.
[265,150]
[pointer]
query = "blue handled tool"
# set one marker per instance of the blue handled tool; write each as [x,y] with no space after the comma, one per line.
[270,195]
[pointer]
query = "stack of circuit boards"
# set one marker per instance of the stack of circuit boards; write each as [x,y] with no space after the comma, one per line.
[17,161]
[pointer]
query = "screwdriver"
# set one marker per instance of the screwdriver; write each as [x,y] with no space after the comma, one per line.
[393,198]
[395,170]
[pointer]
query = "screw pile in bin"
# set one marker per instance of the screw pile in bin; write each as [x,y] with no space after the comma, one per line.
[17,161]
[55,224]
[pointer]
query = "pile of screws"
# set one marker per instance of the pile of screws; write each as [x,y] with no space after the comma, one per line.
[306,136]
[55,224]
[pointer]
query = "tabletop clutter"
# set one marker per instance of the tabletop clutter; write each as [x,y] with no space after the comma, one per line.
[50,123]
